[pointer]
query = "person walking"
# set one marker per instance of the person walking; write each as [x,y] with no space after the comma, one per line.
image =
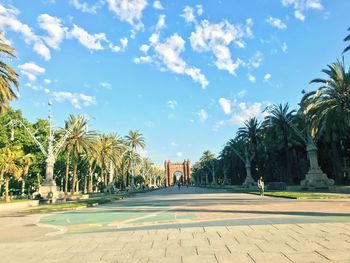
[179,185]
[261,185]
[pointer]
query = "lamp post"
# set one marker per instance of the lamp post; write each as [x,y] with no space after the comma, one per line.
[48,190]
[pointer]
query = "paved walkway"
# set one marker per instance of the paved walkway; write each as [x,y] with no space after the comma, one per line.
[190,225]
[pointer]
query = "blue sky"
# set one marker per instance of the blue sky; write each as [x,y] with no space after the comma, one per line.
[185,73]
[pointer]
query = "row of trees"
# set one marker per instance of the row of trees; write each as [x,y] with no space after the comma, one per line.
[88,162]
[276,146]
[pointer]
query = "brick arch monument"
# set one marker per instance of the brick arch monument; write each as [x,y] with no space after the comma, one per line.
[175,170]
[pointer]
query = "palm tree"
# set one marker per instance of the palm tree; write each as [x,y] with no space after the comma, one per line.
[108,148]
[251,134]
[25,164]
[79,141]
[347,38]
[281,117]
[10,166]
[328,107]
[208,161]
[134,140]
[8,76]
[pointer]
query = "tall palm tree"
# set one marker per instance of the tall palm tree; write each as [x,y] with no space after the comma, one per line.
[10,166]
[134,140]
[281,117]
[79,141]
[25,163]
[208,161]
[251,134]
[328,107]
[108,148]
[8,77]
[347,38]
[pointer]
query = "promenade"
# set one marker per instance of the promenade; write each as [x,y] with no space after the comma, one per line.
[187,225]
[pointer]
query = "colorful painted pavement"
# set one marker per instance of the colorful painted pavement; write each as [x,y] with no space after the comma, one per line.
[196,207]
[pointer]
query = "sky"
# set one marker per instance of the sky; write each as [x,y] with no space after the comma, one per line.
[186,74]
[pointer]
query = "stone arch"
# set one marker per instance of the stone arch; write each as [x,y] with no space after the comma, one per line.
[172,168]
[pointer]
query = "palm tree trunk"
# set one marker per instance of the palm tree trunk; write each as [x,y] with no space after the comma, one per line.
[67,172]
[288,172]
[336,162]
[7,198]
[1,180]
[90,180]
[23,187]
[74,173]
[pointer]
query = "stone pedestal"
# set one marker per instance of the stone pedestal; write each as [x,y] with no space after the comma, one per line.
[50,192]
[249,181]
[315,178]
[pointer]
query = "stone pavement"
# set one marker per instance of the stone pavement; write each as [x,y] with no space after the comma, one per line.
[190,225]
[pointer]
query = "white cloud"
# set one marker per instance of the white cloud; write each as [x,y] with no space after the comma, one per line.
[216,38]
[8,19]
[161,22]
[78,100]
[302,6]
[267,77]
[123,45]
[203,115]
[157,5]
[276,22]
[244,111]
[167,56]
[256,60]
[188,14]
[172,104]
[199,10]
[37,88]
[105,85]
[144,48]
[284,47]
[179,154]
[85,7]
[251,78]
[31,70]
[92,42]
[225,105]
[143,60]
[52,25]
[47,81]
[173,144]
[129,11]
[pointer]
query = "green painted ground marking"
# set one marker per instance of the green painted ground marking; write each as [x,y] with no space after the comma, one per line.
[166,216]
[80,218]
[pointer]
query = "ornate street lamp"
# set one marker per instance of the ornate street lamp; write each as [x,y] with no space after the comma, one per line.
[48,190]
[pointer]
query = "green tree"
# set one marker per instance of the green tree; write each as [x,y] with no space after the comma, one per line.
[8,77]
[347,38]
[10,166]
[79,141]
[328,108]
[281,117]
[134,140]
[24,165]
[107,148]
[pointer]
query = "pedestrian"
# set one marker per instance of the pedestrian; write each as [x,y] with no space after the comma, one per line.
[179,185]
[261,185]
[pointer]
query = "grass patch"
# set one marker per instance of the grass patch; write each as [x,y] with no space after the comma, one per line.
[78,204]
[303,195]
